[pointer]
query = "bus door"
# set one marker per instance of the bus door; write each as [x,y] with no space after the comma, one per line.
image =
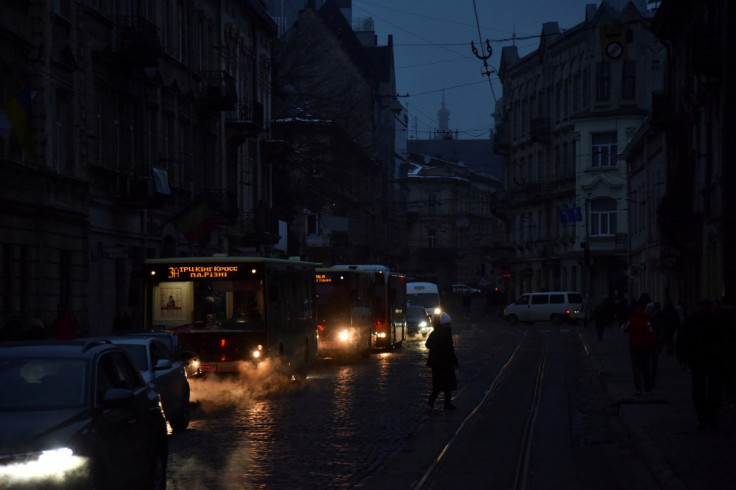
[397,307]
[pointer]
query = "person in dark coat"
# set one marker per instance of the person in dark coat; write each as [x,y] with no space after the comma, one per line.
[442,360]
[603,316]
[699,348]
[670,325]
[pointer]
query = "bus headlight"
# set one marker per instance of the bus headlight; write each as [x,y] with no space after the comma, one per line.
[344,335]
[257,352]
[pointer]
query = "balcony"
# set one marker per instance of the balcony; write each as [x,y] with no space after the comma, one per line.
[217,91]
[246,122]
[135,42]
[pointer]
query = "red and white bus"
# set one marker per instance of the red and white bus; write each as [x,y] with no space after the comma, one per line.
[389,305]
[345,302]
[229,310]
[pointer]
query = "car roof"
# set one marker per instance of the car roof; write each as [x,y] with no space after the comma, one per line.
[55,348]
[553,292]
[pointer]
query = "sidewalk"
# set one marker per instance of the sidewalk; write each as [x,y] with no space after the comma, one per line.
[679,454]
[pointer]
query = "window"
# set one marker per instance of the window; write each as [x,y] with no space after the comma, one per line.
[540,299]
[556,299]
[431,239]
[605,150]
[603,82]
[628,80]
[603,217]
[312,224]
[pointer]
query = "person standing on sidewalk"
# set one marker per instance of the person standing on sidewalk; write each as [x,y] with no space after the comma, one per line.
[603,316]
[442,360]
[642,344]
[670,325]
[699,348]
[728,316]
[653,314]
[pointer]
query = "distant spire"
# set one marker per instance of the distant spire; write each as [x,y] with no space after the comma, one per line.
[443,119]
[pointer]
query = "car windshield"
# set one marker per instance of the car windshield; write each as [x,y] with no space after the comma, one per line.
[42,384]
[427,300]
[138,354]
[416,313]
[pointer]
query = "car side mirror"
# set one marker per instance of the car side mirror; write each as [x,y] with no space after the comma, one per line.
[116,396]
[162,364]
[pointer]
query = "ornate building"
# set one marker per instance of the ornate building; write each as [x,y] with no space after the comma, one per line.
[129,130]
[568,109]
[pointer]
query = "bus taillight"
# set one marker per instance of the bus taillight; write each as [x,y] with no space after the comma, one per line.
[222,342]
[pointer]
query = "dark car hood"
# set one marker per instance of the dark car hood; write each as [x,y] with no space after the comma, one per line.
[42,429]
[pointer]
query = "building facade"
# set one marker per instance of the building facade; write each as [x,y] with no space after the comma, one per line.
[135,132]
[451,229]
[568,109]
[680,162]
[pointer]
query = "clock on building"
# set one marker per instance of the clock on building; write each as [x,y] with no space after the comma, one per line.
[614,50]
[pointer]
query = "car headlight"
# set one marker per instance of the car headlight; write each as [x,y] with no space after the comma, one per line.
[422,324]
[56,464]
[437,311]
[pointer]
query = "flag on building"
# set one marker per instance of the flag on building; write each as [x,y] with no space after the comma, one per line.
[17,112]
[195,223]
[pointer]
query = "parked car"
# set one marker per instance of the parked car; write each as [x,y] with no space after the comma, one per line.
[78,414]
[158,367]
[188,359]
[554,306]
[461,289]
[418,321]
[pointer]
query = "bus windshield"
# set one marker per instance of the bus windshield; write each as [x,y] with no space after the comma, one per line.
[232,305]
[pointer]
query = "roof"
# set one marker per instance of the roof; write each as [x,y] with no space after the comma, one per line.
[54,348]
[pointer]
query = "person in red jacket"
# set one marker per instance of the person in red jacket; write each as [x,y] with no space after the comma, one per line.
[65,325]
[642,345]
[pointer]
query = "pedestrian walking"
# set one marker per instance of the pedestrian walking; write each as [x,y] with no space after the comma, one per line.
[670,320]
[587,310]
[728,317]
[642,343]
[467,302]
[442,361]
[65,325]
[652,311]
[700,348]
[604,315]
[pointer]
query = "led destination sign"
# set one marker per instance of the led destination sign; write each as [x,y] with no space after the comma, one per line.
[323,278]
[201,271]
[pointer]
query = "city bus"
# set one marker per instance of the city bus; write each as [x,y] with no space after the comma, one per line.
[235,310]
[389,305]
[344,311]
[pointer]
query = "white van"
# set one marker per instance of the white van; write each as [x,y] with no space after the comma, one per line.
[556,306]
[425,294]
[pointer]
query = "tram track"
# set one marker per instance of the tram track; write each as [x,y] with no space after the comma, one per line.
[512,367]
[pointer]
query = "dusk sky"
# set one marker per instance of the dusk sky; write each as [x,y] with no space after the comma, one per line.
[433,53]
